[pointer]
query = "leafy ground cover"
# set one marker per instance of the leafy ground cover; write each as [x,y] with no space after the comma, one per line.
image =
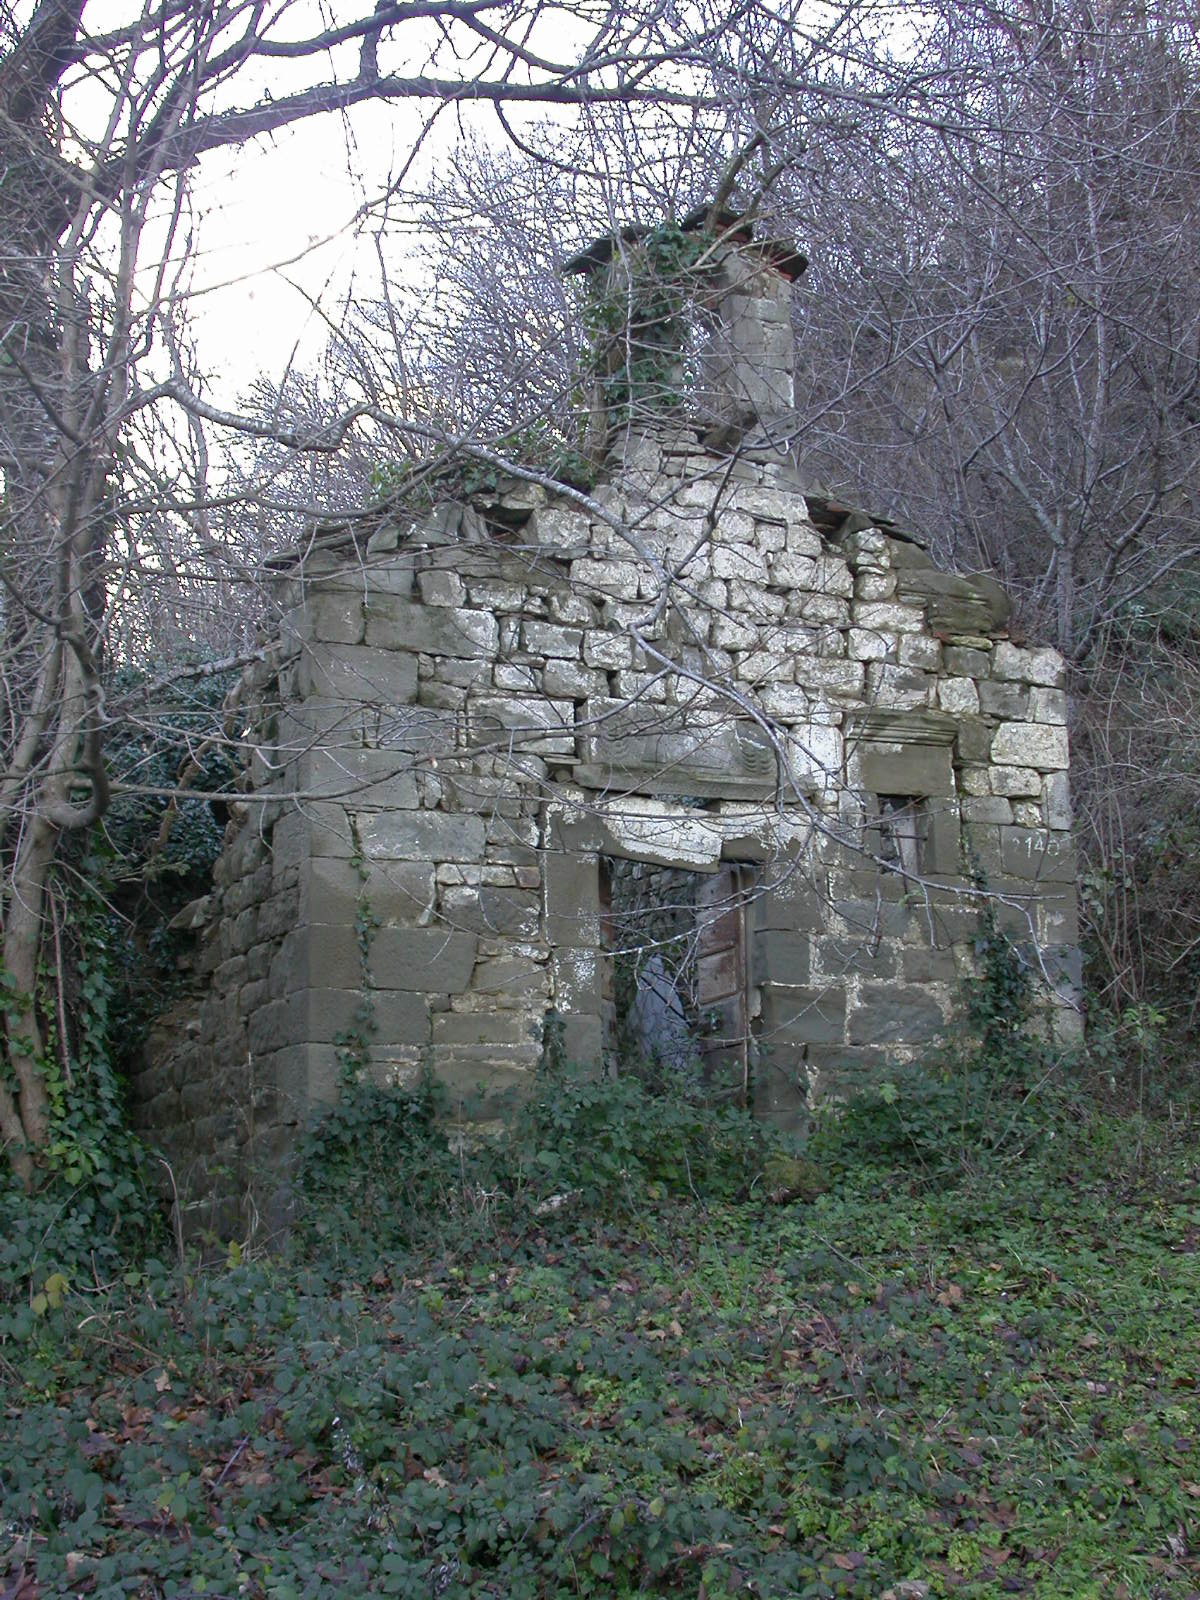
[901,1387]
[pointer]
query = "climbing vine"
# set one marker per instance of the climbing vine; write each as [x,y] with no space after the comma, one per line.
[636,320]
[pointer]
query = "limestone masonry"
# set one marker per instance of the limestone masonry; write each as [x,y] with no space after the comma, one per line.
[705,770]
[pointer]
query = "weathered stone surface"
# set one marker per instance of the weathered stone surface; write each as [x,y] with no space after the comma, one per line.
[1030,853]
[959,696]
[354,673]
[421,836]
[395,625]
[436,960]
[1029,666]
[513,913]
[1030,745]
[799,1015]
[1058,800]
[908,769]
[782,957]
[1004,700]
[892,1014]
[957,604]
[1048,705]
[964,663]
[1014,781]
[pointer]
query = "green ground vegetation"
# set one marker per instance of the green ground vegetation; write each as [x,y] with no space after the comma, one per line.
[969,1376]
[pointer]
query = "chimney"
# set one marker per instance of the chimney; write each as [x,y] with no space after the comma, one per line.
[709,341]
[746,376]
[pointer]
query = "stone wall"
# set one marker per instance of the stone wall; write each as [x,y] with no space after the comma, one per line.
[471,719]
[463,719]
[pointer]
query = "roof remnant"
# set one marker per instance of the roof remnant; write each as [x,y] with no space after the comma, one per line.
[731,226]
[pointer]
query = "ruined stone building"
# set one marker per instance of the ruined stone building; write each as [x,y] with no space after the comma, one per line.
[707,769]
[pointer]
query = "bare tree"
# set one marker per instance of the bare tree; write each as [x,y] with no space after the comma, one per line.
[101,121]
[1005,338]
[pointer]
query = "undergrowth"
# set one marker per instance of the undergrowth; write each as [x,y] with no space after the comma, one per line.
[984,1389]
[591,1359]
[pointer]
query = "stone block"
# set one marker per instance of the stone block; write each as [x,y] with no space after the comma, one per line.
[780,956]
[421,836]
[906,769]
[958,604]
[973,742]
[897,688]
[1048,705]
[791,571]
[766,666]
[424,960]
[791,1016]
[941,852]
[737,561]
[523,723]
[1058,916]
[962,662]
[571,886]
[616,579]
[870,584]
[780,1086]
[836,677]
[1016,781]
[920,650]
[317,956]
[402,626]
[869,958]
[496,594]
[516,977]
[335,618]
[889,617]
[959,696]
[1022,744]
[835,578]
[328,1016]
[794,900]
[512,913]
[891,1013]
[399,893]
[583,1038]
[483,1028]
[576,979]
[356,674]
[1004,700]
[787,702]
[867,645]
[1057,796]
[552,639]
[1045,667]
[1029,853]
[609,652]
[987,808]
[925,965]
[441,588]
[486,1081]
[363,778]
[816,609]
[568,680]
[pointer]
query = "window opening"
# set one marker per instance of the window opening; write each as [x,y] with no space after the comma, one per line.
[903,825]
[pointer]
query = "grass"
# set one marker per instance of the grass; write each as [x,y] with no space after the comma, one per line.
[904,1389]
